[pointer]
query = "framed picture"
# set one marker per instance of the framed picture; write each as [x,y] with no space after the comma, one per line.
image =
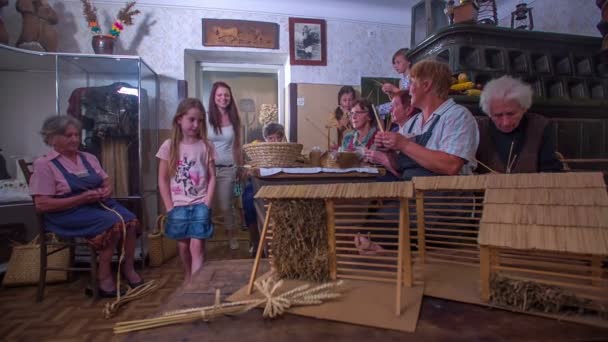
[307,41]
[240,33]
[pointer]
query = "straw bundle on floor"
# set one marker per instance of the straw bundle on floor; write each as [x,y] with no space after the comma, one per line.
[451,182]
[552,212]
[275,305]
[299,239]
[533,296]
[338,191]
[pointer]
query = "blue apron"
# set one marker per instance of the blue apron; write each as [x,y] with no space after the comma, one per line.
[86,220]
[407,165]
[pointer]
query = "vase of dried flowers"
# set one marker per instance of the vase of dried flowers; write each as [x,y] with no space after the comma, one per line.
[104,43]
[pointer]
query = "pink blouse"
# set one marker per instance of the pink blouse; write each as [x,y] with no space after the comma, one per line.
[189,184]
[47,180]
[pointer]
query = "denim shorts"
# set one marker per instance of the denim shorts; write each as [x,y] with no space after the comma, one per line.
[190,221]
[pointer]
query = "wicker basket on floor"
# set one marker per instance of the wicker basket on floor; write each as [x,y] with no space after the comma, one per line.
[273,154]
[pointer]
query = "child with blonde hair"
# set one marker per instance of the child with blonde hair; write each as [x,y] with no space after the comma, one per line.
[402,65]
[186,180]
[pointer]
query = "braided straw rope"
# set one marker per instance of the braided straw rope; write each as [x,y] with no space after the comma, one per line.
[274,305]
[110,309]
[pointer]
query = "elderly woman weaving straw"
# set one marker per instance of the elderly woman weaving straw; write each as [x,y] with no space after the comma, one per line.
[513,141]
[442,139]
[69,187]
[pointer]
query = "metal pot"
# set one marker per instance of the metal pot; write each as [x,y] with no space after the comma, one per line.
[103,44]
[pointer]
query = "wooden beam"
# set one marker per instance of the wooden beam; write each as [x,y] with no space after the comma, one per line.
[258,254]
[484,271]
[331,238]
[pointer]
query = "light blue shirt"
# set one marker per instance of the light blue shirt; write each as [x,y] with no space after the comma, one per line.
[456,133]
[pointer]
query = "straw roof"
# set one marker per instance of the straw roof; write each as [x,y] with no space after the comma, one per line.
[338,191]
[476,182]
[572,180]
[565,212]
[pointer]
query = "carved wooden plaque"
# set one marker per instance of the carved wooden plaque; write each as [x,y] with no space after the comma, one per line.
[240,33]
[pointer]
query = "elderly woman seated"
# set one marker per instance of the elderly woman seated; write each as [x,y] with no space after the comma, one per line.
[513,140]
[72,191]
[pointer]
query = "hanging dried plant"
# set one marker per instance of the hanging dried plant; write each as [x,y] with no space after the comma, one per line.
[126,14]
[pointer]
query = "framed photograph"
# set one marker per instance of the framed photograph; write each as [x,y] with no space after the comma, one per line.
[307,41]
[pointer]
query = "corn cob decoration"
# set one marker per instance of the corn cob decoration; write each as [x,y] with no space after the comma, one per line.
[464,86]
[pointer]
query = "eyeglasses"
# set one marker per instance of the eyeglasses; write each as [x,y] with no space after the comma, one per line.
[359,112]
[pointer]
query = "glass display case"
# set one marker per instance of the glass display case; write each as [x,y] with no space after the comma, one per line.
[115,98]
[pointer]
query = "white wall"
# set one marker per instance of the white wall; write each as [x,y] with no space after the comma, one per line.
[21,120]
[561,16]
[361,37]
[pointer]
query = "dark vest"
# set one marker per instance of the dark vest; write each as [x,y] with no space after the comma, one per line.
[527,157]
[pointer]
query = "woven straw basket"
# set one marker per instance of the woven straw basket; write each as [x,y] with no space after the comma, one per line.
[272,154]
[24,265]
[341,160]
[161,248]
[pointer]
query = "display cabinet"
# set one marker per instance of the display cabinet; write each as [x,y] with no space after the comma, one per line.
[116,99]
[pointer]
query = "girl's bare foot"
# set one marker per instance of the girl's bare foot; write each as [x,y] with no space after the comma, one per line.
[366,246]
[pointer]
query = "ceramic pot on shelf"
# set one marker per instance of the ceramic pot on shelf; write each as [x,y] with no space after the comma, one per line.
[103,44]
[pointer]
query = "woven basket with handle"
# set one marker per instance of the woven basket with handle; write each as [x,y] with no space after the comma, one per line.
[161,248]
[273,154]
[24,265]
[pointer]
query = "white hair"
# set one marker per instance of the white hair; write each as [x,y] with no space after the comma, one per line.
[506,88]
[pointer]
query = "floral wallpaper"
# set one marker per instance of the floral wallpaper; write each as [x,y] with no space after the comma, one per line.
[160,36]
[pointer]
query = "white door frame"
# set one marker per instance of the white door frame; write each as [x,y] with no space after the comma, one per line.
[279,70]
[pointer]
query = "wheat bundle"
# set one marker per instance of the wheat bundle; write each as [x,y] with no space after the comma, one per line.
[299,239]
[274,305]
[532,296]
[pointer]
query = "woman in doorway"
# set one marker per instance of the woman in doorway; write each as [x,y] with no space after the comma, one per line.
[224,131]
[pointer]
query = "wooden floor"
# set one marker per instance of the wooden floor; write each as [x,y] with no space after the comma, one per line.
[66,314]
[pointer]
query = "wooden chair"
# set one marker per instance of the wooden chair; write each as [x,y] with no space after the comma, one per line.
[64,243]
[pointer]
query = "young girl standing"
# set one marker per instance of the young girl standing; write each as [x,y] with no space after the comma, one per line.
[186,180]
[340,117]
[402,67]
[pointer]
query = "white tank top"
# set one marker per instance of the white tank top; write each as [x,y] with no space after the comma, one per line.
[223,144]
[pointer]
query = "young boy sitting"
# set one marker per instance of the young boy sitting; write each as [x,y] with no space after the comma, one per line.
[273,132]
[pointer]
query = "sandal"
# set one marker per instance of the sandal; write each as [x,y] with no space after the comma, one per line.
[103,293]
[135,284]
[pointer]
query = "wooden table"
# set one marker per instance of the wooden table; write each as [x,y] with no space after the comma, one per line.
[440,320]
